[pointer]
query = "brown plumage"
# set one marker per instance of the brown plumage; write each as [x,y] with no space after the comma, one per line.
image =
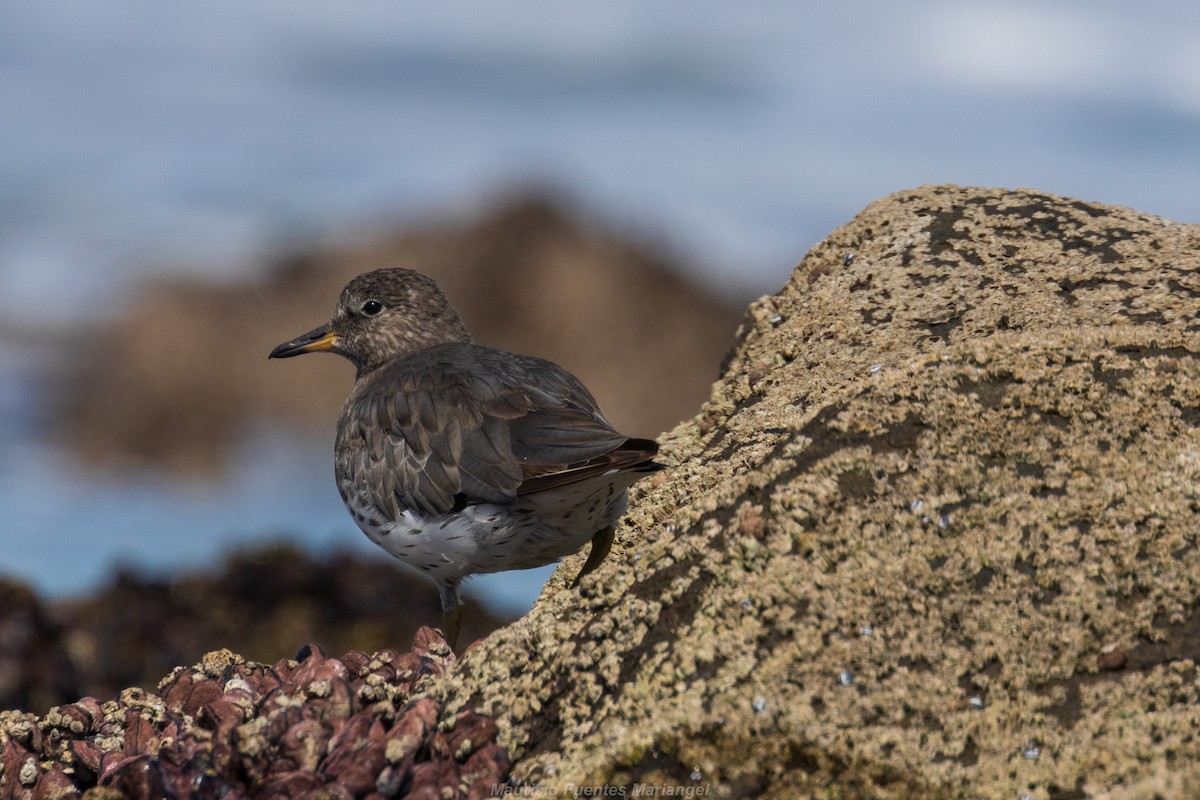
[461,459]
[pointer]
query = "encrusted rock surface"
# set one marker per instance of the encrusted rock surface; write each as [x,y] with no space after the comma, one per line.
[951,468]
[934,535]
[311,727]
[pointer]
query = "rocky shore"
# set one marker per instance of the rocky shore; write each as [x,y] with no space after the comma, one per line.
[933,535]
[312,727]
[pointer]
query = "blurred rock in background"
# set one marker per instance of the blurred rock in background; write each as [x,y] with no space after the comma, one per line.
[266,603]
[35,670]
[175,379]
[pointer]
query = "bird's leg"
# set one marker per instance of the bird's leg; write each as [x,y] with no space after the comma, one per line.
[601,544]
[452,611]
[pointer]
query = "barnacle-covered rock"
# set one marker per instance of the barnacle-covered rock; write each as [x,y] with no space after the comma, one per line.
[76,718]
[412,729]
[229,728]
[19,768]
[55,784]
[357,745]
[948,465]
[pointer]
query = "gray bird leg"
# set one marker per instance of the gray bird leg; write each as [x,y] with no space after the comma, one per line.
[601,544]
[452,611]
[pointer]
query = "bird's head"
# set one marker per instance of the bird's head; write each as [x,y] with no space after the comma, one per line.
[381,316]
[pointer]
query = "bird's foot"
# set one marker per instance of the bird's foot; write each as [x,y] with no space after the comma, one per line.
[601,544]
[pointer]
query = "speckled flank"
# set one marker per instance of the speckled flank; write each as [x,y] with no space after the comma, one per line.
[934,535]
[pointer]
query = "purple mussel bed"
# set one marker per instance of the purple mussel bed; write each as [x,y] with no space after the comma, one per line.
[309,727]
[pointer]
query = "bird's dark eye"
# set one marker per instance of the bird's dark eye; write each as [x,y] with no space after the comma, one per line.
[372,307]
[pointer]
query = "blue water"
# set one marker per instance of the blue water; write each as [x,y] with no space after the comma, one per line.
[139,138]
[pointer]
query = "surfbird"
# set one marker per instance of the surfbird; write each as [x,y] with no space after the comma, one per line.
[460,459]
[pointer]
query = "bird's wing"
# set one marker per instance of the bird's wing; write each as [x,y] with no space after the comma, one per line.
[461,424]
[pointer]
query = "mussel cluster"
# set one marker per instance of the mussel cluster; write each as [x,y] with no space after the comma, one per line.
[309,727]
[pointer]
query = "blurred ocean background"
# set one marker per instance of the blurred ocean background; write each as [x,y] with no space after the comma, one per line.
[140,138]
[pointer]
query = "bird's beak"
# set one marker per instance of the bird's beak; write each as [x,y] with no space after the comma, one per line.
[316,340]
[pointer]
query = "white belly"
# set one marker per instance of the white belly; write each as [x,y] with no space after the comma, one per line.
[538,530]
